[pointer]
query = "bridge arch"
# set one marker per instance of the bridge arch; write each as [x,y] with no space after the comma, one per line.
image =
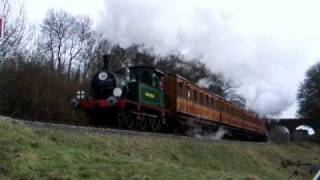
[293,123]
[310,130]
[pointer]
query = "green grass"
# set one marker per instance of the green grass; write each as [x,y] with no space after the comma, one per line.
[30,154]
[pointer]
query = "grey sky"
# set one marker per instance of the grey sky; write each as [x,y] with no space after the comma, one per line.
[266,46]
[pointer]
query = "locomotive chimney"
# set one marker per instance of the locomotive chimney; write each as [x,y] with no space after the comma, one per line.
[106,58]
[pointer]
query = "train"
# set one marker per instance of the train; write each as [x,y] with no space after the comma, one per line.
[147,99]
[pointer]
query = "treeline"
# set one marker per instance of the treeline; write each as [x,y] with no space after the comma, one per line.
[41,68]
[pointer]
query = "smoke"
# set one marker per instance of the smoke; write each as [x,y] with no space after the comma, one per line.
[219,134]
[266,46]
[212,136]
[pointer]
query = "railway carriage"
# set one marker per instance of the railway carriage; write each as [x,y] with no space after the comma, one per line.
[148,99]
[202,109]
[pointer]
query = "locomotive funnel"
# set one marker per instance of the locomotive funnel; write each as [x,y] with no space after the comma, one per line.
[106,58]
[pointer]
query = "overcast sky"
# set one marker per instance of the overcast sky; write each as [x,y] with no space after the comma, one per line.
[264,45]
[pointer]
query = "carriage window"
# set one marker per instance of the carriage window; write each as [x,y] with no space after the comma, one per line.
[213,103]
[202,99]
[185,90]
[188,93]
[207,100]
[180,89]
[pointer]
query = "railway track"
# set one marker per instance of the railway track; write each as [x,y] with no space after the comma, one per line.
[109,131]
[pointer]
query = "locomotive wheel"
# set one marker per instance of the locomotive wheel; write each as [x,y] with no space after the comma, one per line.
[96,118]
[142,124]
[130,121]
[122,120]
[155,124]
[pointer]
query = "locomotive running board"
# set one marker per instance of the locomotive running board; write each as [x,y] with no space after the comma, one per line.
[144,114]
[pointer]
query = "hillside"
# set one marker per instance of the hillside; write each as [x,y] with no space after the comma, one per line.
[39,154]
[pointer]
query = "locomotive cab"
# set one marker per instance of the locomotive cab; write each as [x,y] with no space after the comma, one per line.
[146,86]
[147,75]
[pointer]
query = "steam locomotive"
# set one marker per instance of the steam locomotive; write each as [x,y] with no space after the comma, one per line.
[148,99]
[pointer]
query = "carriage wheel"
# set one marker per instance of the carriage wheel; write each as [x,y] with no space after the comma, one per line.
[179,128]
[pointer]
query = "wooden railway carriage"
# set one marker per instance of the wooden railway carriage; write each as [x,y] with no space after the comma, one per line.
[204,108]
[148,98]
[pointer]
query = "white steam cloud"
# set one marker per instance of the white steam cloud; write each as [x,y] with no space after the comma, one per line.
[218,135]
[266,46]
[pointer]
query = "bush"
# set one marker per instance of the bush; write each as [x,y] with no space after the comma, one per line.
[30,91]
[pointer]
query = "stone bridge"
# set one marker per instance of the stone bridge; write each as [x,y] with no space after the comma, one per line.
[293,123]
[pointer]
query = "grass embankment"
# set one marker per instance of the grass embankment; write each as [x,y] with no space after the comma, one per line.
[29,154]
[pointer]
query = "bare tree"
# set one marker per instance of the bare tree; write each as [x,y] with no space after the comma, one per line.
[220,85]
[193,69]
[65,38]
[14,29]
[91,58]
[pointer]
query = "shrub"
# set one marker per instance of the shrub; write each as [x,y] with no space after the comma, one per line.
[30,91]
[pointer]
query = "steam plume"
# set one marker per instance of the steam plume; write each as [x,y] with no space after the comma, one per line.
[266,46]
